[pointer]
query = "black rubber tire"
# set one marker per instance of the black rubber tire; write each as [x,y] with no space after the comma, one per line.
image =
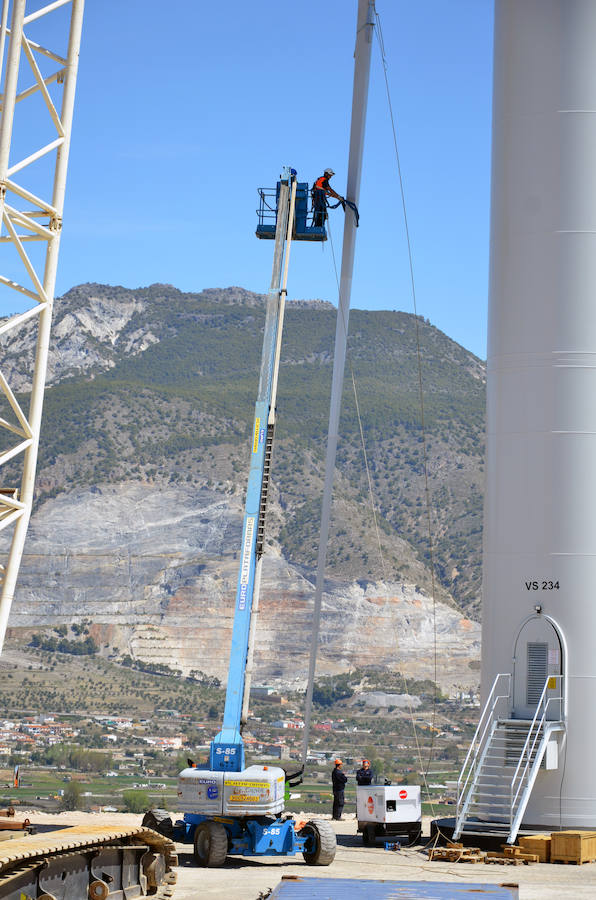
[369,835]
[325,843]
[211,844]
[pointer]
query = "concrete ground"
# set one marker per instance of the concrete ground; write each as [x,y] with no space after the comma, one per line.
[246,879]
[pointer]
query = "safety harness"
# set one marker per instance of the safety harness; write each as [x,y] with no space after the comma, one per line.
[343,202]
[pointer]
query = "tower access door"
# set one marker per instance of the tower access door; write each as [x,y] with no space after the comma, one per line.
[538,655]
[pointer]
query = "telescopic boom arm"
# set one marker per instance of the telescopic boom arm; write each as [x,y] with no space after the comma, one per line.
[227,748]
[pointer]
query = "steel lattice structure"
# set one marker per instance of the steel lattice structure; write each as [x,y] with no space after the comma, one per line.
[42,82]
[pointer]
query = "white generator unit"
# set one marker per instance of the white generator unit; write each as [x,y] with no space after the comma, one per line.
[257,790]
[387,810]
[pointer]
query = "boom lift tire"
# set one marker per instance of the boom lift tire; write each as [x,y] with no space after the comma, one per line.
[211,844]
[324,840]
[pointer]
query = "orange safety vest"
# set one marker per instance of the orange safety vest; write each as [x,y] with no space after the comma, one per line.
[319,183]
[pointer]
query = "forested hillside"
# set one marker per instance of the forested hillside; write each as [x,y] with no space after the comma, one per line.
[159,386]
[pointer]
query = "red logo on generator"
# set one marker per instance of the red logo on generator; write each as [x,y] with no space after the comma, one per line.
[403,794]
[370,805]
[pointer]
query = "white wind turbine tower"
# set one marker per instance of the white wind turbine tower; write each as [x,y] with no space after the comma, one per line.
[531,764]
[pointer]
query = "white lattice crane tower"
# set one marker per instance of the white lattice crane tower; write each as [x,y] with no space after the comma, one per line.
[37,100]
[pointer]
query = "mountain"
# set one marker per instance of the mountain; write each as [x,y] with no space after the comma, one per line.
[150,403]
[154,569]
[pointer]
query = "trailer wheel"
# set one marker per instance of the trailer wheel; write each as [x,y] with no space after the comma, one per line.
[324,840]
[211,844]
[369,835]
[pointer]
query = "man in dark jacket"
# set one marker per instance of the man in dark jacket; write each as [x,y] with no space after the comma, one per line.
[338,780]
[365,774]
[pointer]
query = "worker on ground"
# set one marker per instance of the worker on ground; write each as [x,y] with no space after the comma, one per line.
[320,191]
[365,774]
[338,780]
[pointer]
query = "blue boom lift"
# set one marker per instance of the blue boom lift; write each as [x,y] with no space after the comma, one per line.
[230,809]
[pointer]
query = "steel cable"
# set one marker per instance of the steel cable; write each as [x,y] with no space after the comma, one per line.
[424,770]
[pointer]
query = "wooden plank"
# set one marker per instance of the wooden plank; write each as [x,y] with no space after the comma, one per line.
[519,853]
[515,859]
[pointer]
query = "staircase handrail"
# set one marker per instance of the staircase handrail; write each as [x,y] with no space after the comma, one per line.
[532,738]
[486,720]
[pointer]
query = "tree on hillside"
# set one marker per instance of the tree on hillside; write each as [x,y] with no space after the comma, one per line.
[136,801]
[72,796]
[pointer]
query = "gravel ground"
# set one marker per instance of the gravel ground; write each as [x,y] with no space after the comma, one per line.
[245,879]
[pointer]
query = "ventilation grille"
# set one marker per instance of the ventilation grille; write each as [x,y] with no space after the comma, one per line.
[537,672]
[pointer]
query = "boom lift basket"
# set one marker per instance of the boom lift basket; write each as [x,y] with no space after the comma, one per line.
[267,215]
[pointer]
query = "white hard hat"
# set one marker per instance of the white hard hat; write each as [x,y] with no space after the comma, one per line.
[329,172]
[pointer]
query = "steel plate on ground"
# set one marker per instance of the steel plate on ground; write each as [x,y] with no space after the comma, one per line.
[345,888]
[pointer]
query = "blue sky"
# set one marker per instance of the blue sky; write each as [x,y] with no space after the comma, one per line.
[184,109]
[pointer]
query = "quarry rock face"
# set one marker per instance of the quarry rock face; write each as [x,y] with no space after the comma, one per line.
[154,569]
[153,385]
[381,699]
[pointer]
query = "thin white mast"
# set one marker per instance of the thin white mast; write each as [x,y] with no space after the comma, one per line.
[362,56]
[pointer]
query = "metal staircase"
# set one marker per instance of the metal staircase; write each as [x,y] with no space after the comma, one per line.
[503,762]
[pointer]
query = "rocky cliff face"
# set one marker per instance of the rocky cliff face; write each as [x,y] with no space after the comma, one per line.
[154,568]
[142,470]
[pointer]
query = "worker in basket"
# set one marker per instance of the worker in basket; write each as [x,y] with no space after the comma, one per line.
[321,189]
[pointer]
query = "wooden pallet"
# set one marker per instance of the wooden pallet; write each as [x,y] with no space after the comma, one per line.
[456,853]
[573,862]
[511,856]
[527,856]
[501,860]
